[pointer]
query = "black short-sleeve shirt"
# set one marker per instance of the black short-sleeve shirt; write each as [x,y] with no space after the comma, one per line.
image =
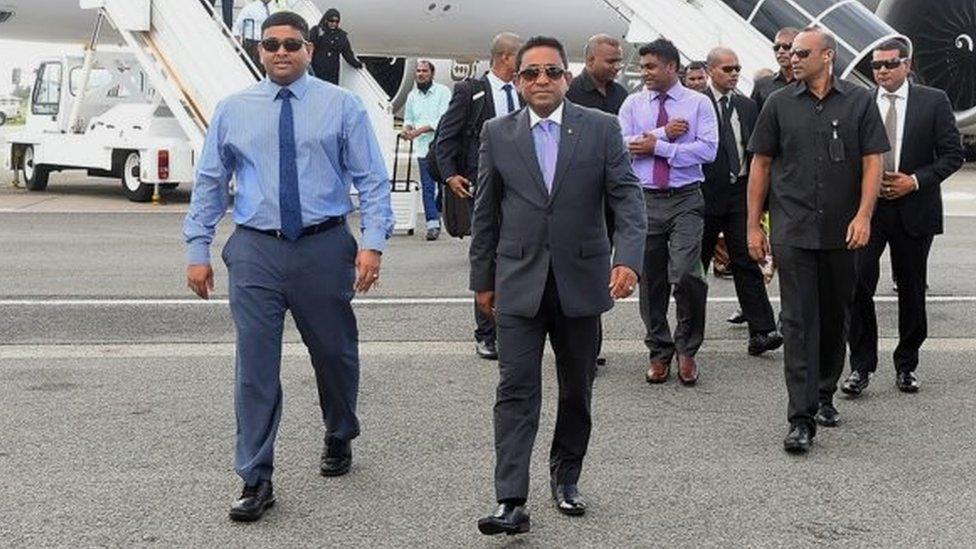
[583,91]
[815,188]
[765,86]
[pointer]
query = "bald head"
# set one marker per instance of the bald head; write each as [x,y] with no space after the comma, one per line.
[597,40]
[505,43]
[717,55]
[504,49]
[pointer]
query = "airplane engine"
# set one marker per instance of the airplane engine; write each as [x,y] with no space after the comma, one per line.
[943,35]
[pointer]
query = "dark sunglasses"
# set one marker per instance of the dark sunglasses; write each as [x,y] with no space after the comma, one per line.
[532,73]
[802,54]
[782,46]
[332,20]
[729,69]
[888,64]
[272,45]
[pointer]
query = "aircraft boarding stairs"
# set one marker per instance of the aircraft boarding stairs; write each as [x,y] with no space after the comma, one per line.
[748,27]
[192,61]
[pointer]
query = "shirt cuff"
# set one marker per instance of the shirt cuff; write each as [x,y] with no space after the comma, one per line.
[915,179]
[660,133]
[664,149]
[374,239]
[198,253]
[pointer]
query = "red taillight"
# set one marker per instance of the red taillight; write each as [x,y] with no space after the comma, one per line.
[162,164]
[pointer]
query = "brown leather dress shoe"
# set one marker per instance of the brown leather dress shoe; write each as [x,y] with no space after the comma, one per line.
[687,370]
[659,371]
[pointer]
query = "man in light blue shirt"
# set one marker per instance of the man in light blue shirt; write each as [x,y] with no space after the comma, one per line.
[426,103]
[295,145]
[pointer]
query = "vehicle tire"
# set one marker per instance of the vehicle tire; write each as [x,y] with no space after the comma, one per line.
[35,175]
[3,118]
[135,190]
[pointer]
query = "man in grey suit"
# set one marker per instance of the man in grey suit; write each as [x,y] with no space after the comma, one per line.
[540,262]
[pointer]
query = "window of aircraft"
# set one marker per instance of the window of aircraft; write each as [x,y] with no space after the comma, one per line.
[742,7]
[856,25]
[47,91]
[815,7]
[774,15]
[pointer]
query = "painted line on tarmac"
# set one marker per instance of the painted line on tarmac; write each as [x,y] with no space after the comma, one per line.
[369,302]
[377,349]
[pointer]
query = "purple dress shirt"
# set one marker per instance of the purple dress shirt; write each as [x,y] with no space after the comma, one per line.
[687,153]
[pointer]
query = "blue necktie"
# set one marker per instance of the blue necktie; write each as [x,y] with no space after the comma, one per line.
[289,202]
[509,97]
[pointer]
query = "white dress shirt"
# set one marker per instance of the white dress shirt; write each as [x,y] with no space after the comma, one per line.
[901,107]
[499,96]
[736,126]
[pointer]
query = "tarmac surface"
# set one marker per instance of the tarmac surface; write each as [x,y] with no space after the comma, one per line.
[117,427]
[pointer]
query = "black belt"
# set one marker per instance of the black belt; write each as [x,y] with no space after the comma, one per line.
[329,223]
[673,191]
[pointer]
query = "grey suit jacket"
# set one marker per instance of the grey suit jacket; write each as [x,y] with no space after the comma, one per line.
[519,229]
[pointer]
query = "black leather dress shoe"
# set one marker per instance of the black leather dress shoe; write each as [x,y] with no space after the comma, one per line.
[486,350]
[336,457]
[568,500]
[737,317]
[856,383]
[254,501]
[907,382]
[508,519]
[798,440]
[827,415]
[761,343]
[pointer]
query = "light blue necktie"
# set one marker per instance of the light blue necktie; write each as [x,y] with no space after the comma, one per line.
[289,202]
[545,134]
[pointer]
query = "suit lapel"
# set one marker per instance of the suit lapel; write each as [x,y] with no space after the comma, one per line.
[569,136]
[526,149]
[489,108]
[911,113]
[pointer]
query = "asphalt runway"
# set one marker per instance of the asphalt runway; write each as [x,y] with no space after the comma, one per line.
[117,427]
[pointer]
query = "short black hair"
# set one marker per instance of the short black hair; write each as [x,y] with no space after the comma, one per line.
[541,42]
[663,49]
[429,65]
[696,66]
[286,19]
[894,44]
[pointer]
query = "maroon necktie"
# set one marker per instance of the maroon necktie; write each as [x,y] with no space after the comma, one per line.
[662,170]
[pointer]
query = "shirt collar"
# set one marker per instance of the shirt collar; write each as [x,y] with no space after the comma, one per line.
[298,87]
[496,83]
[835,84]
[718,95]
[674,92]
[901,92]
[556,116]
[781,76]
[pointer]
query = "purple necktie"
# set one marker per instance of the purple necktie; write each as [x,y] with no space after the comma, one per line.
[545,134]
[662,170]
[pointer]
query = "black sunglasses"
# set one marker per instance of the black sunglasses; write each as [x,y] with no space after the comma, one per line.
[532,73]
[802,54]
[729,69]
[888,64]
[332,20]
[782,46]
[272,45]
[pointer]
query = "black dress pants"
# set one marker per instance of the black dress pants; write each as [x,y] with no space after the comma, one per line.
[521,341]
[750,288]
[909,262]
[815,289]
